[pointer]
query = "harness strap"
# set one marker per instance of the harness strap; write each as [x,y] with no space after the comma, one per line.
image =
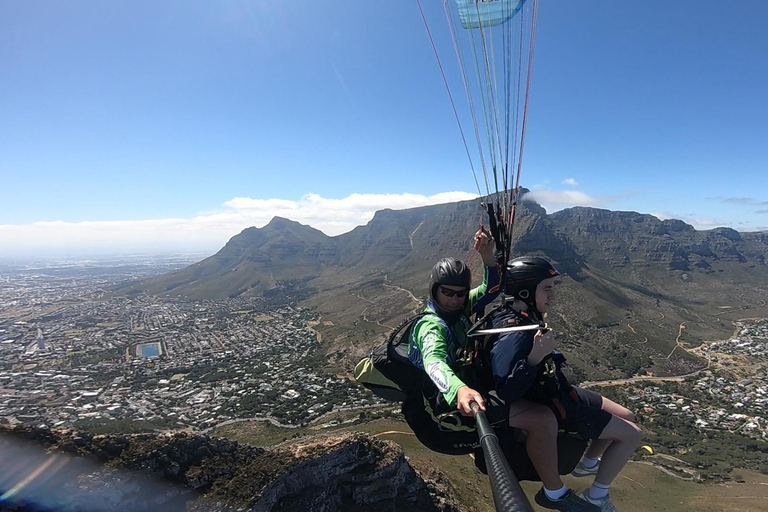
[454,425]
[559,407]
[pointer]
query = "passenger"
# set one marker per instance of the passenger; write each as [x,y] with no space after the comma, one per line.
[527,371]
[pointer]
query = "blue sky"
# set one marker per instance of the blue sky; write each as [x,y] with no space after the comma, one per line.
[173,125]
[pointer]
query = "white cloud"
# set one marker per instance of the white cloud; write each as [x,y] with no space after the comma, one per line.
[692,219]
[706,223]
[554,200]
[210,230]
[570,181]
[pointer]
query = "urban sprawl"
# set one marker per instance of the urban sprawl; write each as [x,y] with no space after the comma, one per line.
[71,355]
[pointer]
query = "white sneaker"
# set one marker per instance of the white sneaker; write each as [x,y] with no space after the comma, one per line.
[604,503]
[582,470]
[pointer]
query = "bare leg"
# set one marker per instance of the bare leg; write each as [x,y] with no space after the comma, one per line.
[541,425]
[598,446]
[623,436]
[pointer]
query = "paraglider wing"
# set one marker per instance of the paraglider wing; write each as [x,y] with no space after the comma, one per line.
[486,13]
[648,449]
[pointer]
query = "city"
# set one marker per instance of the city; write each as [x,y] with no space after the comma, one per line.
[72,356]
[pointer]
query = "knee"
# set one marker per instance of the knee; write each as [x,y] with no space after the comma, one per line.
[538,420]
[627,415]
[634,434]
[547,424]
[622,412]
[617,410]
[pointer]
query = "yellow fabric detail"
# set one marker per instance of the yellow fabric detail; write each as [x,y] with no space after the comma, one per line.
[366,373]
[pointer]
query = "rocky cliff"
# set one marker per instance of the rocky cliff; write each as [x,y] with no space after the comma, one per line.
[76,471]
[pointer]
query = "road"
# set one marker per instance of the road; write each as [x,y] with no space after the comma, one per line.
[639,378]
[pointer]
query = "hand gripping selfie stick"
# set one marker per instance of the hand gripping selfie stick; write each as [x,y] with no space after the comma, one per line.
[507,493]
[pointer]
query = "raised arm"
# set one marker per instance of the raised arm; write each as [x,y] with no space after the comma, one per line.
[490,288]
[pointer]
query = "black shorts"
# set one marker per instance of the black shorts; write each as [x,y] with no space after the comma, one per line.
[448,431]
[581,412]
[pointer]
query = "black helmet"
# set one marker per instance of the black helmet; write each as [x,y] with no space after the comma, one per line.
[452,272]
[523,276]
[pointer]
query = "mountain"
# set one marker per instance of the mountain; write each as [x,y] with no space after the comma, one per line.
[280,254]
[629,239]
[633,287]
[182,471]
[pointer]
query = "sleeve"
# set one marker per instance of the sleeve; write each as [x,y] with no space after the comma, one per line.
[512,374]
[486,292]
[430,341]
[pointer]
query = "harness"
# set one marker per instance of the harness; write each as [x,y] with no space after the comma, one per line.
[549,383]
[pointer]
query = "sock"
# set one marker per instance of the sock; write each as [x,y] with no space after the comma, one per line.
[598,490]
[589,462]
[556,494]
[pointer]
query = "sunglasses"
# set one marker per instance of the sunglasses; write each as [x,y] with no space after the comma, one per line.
[453,293]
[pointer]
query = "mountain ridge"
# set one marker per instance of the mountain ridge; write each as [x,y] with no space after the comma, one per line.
[619,267]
